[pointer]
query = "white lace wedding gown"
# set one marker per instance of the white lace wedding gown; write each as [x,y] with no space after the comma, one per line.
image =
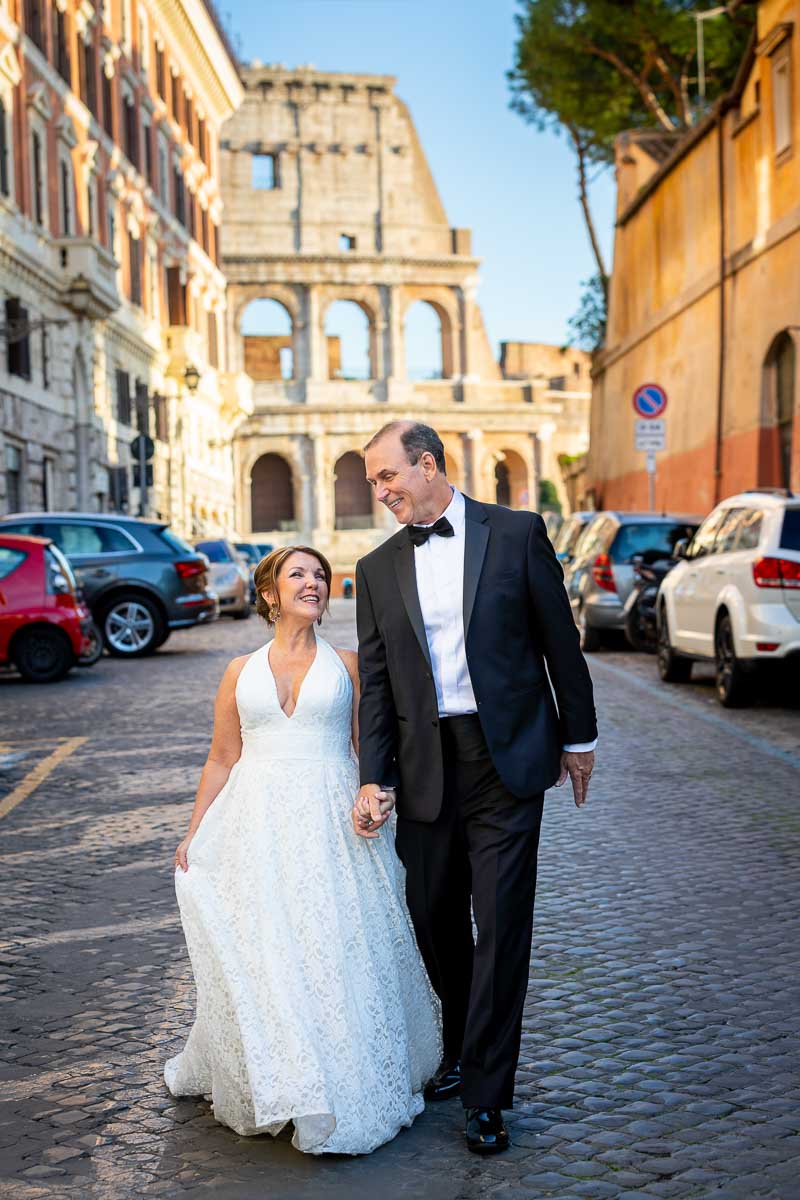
[313,1005]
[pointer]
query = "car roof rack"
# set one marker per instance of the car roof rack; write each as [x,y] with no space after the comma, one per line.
[770,491]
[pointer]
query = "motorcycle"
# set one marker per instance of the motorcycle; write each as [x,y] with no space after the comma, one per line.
[640,607]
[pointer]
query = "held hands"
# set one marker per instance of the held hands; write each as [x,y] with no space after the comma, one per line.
[578,765]
[371,809]
[180,854]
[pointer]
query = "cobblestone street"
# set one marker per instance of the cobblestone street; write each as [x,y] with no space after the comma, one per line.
[660,1048]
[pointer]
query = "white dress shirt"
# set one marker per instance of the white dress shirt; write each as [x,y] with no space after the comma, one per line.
[439,565]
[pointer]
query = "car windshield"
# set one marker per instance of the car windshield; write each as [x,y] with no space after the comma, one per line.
[568,535]
[215,552]
[790,534]
[640,538]
[248,550]
[174,542]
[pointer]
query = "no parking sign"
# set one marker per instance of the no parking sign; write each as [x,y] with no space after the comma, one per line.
[649,400]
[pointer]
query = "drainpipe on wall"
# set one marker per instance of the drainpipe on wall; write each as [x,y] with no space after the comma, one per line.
[721,364]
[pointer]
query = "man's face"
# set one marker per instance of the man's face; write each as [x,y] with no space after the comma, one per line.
[403,488]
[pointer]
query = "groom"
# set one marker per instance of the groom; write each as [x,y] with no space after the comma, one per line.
[463,625]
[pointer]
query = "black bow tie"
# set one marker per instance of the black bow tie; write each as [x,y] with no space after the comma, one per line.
[419,534]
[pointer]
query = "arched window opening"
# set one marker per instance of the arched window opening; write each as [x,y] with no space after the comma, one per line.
[348,341]
[452,471]
[352,493]
[511,480]
[778,429]
[266,329]
[423,342]
[271,495]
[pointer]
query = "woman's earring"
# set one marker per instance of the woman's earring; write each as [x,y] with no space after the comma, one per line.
[274,613]
[319,620]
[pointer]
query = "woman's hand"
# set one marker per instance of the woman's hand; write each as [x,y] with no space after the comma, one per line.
[180,854]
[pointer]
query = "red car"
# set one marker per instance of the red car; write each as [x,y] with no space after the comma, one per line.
[44,625]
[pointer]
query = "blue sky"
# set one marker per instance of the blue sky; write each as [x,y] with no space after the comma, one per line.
[514,187]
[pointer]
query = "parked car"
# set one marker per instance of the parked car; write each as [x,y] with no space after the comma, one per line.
[229,576]
[568,535]
[44,624]
[600,575]
[253,552]
[141,581]
[734,598]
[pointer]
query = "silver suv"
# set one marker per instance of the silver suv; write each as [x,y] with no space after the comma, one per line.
[600,575]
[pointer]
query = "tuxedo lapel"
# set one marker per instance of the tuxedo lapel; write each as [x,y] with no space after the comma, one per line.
[476,538]
[407,582]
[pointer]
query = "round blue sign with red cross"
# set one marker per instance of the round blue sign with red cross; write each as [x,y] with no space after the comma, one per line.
[650,400]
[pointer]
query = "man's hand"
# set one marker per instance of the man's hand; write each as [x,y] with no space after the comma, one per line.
[578,766]
[371,809]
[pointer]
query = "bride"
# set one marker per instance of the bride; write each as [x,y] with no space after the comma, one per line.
[312,1002]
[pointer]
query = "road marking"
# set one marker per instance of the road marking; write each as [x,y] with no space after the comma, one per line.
[679,702]
[38,774]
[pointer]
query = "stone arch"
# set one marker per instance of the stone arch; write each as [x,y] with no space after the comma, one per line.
[347,359]
[267,332]
[423,341]
[511,480]
[240,297]
[272,500]
[352,495]
[778,439]
[444,303]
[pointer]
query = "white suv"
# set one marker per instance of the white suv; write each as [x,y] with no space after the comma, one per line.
[734,598]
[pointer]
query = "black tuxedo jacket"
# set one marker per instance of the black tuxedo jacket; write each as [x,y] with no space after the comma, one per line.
[517,618]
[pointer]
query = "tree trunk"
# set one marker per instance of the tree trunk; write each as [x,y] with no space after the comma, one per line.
[583,193]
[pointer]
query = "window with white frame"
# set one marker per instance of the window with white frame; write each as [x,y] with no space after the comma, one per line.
[39,175]
[7,143]
[65,194]
[163,170]
[782,103]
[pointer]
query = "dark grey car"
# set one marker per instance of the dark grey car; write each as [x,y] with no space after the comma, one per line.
[600,575]
[140,580]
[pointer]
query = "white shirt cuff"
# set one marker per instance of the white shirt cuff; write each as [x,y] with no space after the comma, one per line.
[581,747]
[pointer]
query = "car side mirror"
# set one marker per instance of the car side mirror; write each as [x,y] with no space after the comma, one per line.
[680,548]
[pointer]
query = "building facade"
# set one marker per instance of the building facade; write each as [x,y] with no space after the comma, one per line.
[329,205]
[705,292]
[113,302]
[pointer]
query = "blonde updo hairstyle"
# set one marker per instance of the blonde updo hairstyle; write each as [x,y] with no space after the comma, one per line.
[266,575]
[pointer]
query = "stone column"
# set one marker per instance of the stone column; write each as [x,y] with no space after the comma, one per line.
[468,458]
[536,472]
[316,353]
[397,358]
[324,484]
[305,459]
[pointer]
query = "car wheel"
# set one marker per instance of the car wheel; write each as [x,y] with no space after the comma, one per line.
[43,655]
[95,650]
[732,681]
[671,667]
[244,615]
[589,636]
[132,626]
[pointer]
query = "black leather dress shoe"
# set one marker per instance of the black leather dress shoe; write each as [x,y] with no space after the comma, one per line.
[486,1131]
[446,1082]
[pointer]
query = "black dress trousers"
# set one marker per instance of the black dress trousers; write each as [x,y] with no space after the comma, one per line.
[478,857]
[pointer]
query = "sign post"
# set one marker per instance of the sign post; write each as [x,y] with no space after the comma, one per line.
[650,430]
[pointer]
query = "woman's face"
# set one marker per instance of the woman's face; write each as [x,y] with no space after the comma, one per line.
[302,590]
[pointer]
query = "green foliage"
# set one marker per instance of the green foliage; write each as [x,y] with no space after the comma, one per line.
[548,497]
[598,67]
[587,326]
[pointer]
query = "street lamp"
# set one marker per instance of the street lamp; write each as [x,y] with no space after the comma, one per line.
[191,377]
